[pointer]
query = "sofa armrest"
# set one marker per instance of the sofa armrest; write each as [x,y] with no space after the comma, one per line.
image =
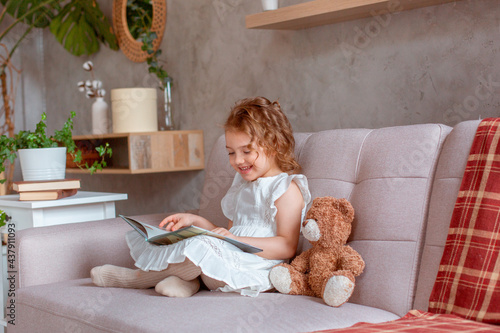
[69,251]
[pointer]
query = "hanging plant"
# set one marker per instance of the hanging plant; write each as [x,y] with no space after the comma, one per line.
[154,65]
[139,15]
[139,22]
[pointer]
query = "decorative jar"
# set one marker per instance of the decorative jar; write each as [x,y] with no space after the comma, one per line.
[134,110]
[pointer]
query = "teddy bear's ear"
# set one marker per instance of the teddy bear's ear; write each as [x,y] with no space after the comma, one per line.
[346,209]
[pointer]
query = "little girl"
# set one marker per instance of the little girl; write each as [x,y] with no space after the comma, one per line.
[265,207]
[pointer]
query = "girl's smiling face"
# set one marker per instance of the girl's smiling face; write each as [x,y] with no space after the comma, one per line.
[248,159]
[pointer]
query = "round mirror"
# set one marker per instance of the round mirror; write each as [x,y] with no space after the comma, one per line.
[140,14]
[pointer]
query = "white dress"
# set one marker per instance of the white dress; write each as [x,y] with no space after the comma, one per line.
[250,205]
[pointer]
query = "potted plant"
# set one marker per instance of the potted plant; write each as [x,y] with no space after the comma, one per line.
[25,141]
[79,25]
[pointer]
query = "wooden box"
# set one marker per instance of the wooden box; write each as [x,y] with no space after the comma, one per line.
[148,152]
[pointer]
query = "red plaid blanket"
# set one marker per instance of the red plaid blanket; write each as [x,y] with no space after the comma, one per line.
[417,321]
[468,281]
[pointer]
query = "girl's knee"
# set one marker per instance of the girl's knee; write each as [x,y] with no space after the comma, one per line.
[211,283]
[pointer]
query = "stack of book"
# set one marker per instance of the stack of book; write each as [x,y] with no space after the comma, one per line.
[46,189]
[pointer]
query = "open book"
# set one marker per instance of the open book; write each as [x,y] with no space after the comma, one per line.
[159,236]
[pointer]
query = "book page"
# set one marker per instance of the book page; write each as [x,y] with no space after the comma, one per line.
[159,236]
[172,237]
[146,230]
[153,231]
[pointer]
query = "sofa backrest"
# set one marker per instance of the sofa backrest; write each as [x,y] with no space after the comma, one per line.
[387,175]
[447,180]
[218,178]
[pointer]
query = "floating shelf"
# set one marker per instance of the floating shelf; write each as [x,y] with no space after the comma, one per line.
[149,152]
[320,12]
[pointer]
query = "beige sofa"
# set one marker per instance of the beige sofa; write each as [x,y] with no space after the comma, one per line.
[402,182]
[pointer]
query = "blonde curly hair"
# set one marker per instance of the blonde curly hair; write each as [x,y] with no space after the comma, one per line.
[266,125]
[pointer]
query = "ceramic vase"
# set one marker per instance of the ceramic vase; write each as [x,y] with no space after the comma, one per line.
[99,116]
[269,4]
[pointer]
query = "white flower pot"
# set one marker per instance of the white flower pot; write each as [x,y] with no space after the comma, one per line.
[269,4]
[43,163]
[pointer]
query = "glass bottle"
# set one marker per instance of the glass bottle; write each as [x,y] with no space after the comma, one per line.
[167,121]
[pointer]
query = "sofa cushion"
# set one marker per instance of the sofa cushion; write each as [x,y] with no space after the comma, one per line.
[386,174]
[79,306]
[449,173]
[218,178]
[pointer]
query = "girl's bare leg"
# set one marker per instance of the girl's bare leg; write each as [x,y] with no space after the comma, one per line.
[211,283]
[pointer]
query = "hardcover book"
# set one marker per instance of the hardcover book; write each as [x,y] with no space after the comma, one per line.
[159,236]
[46,185]
[46,195]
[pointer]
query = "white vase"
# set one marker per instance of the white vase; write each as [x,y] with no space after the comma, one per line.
[99,116]
[43,163]
[269,4]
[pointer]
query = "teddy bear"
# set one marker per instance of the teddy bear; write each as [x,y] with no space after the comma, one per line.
[328,268]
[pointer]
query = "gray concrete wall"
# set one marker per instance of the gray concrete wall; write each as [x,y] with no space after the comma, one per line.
[436,64]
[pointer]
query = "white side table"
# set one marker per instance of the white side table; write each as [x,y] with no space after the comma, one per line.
[83,206]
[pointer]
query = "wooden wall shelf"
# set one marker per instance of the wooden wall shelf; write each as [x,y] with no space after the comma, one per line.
[135,153]
[320,12]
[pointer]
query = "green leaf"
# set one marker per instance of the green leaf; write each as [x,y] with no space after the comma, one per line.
[37,13]
[78,157]
[102,28]
[3,215]
[81,26]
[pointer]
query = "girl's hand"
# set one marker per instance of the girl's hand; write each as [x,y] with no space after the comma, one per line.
[177,221]
[223,232]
